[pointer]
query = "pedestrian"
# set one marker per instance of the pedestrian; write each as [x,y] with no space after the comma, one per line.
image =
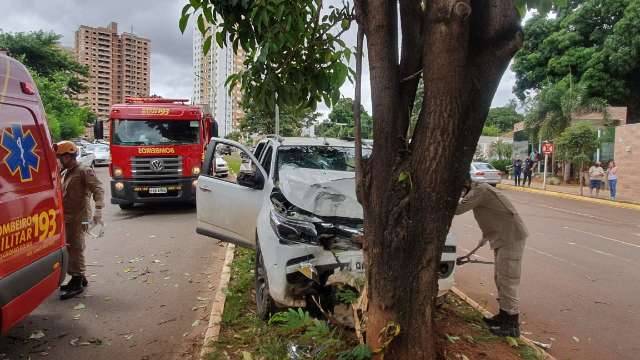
[612,176]
[596,175]
[79,183]
[528,170]
[506,233]
[517,171]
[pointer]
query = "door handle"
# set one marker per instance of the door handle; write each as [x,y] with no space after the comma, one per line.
[205,189]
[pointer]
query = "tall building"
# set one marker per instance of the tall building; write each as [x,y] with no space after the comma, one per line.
[210,73]
[118,64]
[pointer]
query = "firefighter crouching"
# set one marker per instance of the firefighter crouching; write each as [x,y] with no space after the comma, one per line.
[506,233]
[79,183]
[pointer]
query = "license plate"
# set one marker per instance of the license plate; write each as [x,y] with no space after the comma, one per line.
[158,190]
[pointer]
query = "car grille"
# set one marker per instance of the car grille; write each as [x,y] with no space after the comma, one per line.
[156,167]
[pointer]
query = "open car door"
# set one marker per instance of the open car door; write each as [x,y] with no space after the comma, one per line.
[227,208]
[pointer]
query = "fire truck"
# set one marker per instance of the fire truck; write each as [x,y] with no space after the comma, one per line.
[157,148]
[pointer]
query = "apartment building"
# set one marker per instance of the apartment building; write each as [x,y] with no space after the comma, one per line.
[210,73]
[118,63]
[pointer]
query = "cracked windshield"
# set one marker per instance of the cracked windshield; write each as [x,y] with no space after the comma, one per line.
[319,179]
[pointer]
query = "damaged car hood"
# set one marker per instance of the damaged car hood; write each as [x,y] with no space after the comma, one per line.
[321,192]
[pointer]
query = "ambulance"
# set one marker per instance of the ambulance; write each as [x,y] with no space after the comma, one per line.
[32,247]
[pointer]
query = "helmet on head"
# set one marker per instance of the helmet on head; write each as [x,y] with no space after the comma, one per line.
[65,147]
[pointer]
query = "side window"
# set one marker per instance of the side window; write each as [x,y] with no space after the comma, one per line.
[266,160]
[229,163]
[258,150]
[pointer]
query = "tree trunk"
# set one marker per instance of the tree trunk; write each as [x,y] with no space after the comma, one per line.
[566,172]
[411,189]
[633,103]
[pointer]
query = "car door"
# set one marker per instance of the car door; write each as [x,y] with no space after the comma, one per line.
[227,208]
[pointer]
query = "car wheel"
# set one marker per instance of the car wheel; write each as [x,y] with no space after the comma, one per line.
[125,206]
[265,306]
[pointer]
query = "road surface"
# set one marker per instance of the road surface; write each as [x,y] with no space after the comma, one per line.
[151,285]
[581,276]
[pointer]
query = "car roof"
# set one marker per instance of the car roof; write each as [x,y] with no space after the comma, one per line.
[313,141]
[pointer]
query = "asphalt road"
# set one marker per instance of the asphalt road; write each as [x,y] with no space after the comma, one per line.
[152,280]
[580,286]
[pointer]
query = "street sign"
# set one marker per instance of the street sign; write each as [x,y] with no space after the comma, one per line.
[547,148]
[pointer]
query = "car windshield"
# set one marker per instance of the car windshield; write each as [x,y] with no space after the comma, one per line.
[483,166]
[319,157]
[155,132]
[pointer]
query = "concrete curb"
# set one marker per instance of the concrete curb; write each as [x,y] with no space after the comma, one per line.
[217,308]
[486,313]
[618,204]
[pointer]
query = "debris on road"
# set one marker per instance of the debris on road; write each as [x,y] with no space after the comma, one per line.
[38,334]
[576,339]
[167,321]
[542,345]
[80,306]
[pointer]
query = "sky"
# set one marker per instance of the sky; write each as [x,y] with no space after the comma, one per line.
[157,20]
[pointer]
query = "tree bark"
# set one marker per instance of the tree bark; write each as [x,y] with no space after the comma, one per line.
[411,189]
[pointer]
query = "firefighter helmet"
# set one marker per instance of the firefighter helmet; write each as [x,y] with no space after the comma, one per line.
[65,147]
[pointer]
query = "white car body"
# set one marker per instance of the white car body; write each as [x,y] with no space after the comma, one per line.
[85,157]
[222,168]
[101,152]
[249,217]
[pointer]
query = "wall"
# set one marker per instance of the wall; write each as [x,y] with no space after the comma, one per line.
[627,157]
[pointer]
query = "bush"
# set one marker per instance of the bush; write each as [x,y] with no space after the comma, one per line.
[501,165]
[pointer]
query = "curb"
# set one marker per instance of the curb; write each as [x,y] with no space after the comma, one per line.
[486,313]
[618,204]
[217,308]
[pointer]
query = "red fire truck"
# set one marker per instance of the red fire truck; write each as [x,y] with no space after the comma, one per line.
[157,148]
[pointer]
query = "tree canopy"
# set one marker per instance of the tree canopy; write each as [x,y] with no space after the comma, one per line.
[504,117]
[593,42]
[58,76]
[292,121]
[341,121]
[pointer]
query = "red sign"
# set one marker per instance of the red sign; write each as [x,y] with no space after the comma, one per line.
[547,148]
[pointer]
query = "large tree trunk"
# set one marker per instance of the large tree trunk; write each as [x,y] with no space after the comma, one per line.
[410,190]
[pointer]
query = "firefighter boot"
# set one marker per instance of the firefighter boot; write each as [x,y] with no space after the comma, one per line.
[65,287]
[74,288]
[496,320]
[510,326]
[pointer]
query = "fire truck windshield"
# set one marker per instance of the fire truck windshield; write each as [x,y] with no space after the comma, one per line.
[155,132]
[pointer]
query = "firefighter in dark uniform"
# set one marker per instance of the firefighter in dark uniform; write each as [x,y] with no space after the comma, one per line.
[79,184]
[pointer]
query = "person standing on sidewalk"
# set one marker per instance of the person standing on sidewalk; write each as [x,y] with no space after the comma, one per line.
[506,233]
[517,171]
[78,184]
[612,176]
[596,175]
[528,170]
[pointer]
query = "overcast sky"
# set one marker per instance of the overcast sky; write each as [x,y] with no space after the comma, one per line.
[171,63]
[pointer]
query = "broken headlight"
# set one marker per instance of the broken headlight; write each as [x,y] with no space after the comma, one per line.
[293,231]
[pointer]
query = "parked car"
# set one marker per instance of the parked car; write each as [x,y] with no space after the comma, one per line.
[33,255]
[85,157]
[294,202]
[222,168]
[485,172]
[101,152]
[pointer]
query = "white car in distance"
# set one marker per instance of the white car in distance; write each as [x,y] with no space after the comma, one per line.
[295,203]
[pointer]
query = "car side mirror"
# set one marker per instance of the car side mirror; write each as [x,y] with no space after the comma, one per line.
[252,179]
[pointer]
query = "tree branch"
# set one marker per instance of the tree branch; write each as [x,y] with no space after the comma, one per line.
[412,20]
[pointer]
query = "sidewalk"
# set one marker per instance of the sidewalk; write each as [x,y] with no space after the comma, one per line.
[572,192]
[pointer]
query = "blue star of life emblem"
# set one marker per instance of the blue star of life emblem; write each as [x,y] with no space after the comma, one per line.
[21,157]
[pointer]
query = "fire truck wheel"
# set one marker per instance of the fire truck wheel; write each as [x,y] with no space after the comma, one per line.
[125,206]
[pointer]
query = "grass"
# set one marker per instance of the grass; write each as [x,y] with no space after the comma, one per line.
[233,161]
[243,335]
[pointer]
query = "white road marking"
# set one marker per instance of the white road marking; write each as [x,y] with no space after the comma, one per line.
[601,252]
[559,259]
[602,237]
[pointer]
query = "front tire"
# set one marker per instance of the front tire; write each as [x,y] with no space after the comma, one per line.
[265,306]
[125,206]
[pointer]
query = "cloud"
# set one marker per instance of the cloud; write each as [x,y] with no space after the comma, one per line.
[156,20]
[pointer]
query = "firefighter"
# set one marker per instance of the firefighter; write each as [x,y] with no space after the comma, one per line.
[79,183]
[506,233]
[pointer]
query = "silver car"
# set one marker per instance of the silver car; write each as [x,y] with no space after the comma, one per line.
[485,172]
[101,152]
[85,157]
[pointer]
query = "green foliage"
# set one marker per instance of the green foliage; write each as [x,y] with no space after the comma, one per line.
[341,123]
[488,130]
[58,78]
[577,143]
[347,295]
[501,164]
[292,121]
[360,352]
[293,48]
[503,118]
[234,135]
[593,41]
[501,149]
